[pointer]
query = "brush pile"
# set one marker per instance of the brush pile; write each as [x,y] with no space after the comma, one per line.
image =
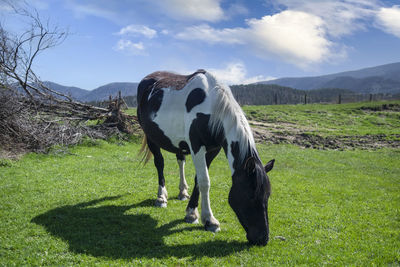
[34,117]
[37,124]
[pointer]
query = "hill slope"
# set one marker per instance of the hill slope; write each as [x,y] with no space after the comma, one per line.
[379,79]
[103,92]
[375,80]
[74,92]
[98,94]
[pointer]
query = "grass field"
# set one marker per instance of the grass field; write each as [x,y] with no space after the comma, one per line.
[365,118]
[94,205]
[368,125]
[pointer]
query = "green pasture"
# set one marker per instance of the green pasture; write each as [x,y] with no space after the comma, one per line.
[93,204]
[354,119]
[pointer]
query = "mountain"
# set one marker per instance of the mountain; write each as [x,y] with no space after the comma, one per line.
[74,92]
[103,92]
[379,79]
[98,94]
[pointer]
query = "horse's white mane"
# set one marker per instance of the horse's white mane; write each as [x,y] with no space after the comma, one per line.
[227,113]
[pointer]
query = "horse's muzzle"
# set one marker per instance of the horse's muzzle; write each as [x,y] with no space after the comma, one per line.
[258,240]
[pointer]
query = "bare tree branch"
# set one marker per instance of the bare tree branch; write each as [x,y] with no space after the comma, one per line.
[34,114]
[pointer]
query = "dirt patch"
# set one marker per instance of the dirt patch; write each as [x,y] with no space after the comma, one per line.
[292,134]
[384,107]
[12,154]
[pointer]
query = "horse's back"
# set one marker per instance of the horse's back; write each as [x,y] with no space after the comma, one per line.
[163,79]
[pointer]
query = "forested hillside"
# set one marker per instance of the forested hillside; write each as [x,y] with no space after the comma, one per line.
[271,94]
[374,80]
[375,83]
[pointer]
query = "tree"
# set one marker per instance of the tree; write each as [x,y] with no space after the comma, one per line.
[44,109]
[17,55]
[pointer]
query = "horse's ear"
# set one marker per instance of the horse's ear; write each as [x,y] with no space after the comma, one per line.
[250,164]
[269,165]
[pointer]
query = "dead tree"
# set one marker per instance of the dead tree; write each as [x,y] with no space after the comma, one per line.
[18,79]
[117,118]
[17,55]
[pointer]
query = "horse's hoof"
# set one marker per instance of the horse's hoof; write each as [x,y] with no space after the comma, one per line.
[183,197]
[191,219]
[192,215]
[212,227]
[160,204]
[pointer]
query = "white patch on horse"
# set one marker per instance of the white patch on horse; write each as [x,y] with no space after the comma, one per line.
[162,197]
[174,122]
[203,181]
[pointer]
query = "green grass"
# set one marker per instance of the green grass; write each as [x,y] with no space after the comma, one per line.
[131,111]
[94,205]
[345,119]
[353,119]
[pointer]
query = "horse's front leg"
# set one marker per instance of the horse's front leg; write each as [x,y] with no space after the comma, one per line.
[183,187]
[192,214]
[203,180]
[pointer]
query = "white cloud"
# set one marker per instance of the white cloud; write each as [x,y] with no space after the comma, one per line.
[82,10]
[389,20]
[138,30]
[295,36]
[208,34]
[236,73]
[5,7]
[165,32]
[124,11]
[340,17]
[236,9]
[134,48]
[200,10]
[130,47]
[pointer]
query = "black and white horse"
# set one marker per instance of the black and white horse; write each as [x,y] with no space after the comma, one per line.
[197,115]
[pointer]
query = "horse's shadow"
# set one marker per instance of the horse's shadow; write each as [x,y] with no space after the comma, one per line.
[106,231]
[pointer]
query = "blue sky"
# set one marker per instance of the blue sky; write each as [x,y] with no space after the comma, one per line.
[240,41]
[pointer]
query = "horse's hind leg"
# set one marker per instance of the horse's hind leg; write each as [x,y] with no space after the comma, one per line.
[183,187]
[162,195]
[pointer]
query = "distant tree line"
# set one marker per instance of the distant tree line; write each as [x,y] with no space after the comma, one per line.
[271,94]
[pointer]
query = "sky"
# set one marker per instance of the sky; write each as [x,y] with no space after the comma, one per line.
[239,41]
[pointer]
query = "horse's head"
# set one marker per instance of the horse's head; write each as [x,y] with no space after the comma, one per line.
[249,199]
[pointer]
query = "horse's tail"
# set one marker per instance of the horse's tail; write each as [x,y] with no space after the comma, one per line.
[144,151]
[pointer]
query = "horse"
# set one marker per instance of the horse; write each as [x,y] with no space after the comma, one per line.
[196,114]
